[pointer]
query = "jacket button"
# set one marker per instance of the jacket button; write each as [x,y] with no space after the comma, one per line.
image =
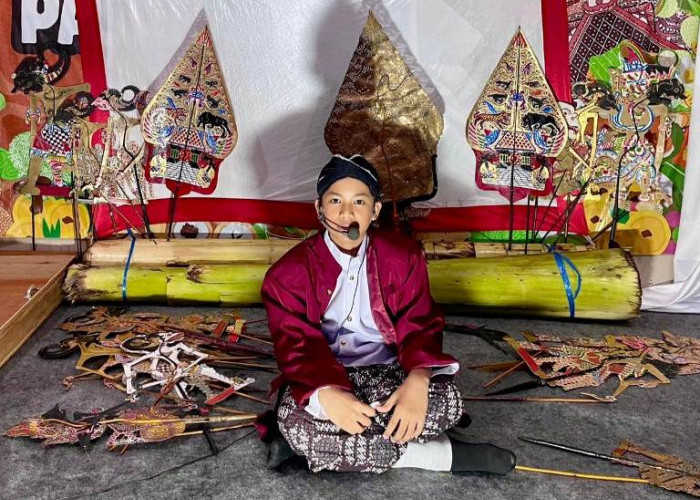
[343,342]
[329,291]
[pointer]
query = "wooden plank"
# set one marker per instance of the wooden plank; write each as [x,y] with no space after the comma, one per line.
[28,315]
[39,271]
[14,297]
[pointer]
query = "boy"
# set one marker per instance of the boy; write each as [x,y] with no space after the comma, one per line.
[358,341]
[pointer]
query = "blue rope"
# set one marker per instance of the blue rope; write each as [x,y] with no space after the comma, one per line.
[563,261]
[128,263]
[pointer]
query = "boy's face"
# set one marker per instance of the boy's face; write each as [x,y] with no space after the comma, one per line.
[346,201]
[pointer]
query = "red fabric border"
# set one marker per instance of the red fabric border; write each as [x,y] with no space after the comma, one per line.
[303,215]
[555,34]
[91,54]
[497,218]
[55,191]
[277,213]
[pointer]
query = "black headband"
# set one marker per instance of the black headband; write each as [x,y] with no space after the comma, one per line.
[356,167]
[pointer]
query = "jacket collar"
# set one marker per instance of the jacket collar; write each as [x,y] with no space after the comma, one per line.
[342,258]
[326,276]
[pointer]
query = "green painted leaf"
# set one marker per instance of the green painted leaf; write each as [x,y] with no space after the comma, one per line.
[666,8]
[678,106]
[691,6]
[3,102]
[8,172]
[496,236]
[19,153]
[51,231]
[677,138]
[674,173]
[677,199]
[623,215]
[260,231]
[599,66]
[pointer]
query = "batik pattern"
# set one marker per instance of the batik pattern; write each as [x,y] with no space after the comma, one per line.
[327,447]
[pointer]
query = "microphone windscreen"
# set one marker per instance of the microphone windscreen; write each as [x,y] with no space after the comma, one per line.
[354,231]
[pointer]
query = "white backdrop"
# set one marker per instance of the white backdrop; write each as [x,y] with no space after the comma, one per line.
[284,61]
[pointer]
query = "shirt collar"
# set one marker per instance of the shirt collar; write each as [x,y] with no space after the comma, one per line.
[341,257]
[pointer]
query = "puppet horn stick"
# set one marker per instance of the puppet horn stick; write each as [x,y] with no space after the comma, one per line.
[580,475]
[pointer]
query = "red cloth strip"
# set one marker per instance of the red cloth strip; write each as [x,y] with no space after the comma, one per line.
[91,55]
[497,218]
[303,215]
[555,33]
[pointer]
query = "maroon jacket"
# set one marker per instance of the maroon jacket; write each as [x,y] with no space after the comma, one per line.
[296,292]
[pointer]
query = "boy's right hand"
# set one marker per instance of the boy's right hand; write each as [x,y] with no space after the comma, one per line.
[345,410]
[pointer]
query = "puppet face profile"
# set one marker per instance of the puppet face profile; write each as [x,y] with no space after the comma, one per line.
[346,201]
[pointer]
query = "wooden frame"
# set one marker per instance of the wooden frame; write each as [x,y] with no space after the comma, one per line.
[44,270]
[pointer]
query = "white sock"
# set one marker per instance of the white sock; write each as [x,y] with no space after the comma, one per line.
[434,455]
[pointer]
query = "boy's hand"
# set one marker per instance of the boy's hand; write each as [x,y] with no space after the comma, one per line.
[345,410]
[410,403]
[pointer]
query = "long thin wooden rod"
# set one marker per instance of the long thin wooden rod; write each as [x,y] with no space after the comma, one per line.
[494,367]
[555,472]
[248,396]
[251,338]
[500,376]
[192,420]
[216,429]
[533,399]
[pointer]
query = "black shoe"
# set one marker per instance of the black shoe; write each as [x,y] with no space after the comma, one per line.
[479,457]
[464,421]
[278,452]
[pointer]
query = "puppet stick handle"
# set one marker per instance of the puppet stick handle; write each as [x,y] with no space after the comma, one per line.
[217,429]
[532,399]
[503,375]
[580,475]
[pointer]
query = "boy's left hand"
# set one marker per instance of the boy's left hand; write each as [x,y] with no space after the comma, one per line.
[410,404]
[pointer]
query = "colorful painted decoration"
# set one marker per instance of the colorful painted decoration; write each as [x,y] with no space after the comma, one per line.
[634,123]
[130,426]
[632,64]
[596,26]
[57,119]
[575,363]
[189,124]
[53,428]
[516,126]
[383,113]
[121,172]
[122,348]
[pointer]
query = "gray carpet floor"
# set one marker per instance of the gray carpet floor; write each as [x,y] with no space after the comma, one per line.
[663,419]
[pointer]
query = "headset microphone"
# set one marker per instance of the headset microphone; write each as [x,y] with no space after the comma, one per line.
[352,231]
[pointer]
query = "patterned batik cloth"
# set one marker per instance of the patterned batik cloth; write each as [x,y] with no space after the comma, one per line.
[327,447]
